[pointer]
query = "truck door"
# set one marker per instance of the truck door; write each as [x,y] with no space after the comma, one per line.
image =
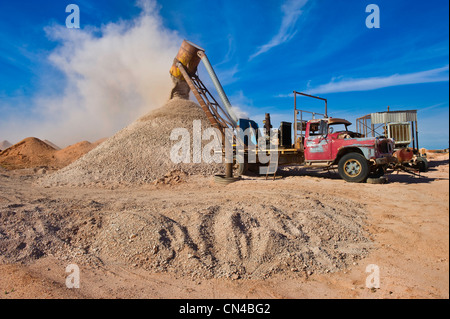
[318,145]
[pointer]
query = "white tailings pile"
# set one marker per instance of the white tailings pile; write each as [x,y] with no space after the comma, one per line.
[139,153]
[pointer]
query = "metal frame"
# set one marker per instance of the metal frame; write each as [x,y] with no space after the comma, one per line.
[296,112]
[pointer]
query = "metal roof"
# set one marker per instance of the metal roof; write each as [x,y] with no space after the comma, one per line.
[333,120]
[393,116]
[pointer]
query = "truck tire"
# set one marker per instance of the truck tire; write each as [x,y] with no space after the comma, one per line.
[377,172]
[353,168]
[377,180]
[223,180]
[422,164]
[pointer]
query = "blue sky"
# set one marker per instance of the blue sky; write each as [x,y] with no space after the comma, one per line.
[261,50]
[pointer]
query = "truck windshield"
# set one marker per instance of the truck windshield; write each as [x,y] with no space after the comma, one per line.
[337,127]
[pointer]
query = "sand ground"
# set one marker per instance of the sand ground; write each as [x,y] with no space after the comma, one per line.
[408,220]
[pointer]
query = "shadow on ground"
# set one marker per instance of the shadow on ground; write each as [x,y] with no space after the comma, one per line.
[393,177]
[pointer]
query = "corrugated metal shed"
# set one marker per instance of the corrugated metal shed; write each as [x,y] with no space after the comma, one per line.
[393,117]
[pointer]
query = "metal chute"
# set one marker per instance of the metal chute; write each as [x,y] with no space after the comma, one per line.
[184,68]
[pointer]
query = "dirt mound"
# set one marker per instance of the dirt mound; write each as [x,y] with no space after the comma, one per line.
[139,153]
[56,147]
[35,153]
[4,145]
[29,152]
[73,152]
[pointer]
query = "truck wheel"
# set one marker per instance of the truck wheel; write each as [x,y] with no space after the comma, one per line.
[422,164]
[353,167]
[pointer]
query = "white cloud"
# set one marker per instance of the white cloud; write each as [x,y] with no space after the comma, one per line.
[282,95]
[113,75]
[373,83]
[291,10]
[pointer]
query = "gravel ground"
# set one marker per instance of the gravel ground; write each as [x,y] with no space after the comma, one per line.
[194,228]
[308,235]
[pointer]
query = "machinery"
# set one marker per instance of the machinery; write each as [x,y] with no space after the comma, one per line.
[319,140]
[401,126]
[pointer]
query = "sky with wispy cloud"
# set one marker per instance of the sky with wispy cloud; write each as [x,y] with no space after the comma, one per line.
[291,10]
[67,85]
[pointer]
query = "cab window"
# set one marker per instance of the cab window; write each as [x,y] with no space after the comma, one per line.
[314,129]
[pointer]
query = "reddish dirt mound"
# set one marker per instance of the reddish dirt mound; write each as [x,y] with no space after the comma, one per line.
[73,152]
[56,147]
[30,152]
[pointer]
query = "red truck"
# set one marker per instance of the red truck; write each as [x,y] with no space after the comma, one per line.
[328,142]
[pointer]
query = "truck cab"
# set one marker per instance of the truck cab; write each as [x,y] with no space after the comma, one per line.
[328,141]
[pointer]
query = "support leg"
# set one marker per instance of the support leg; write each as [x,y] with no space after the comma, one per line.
[228,169]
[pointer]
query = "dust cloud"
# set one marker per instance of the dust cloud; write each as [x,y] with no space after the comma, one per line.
[112,75]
